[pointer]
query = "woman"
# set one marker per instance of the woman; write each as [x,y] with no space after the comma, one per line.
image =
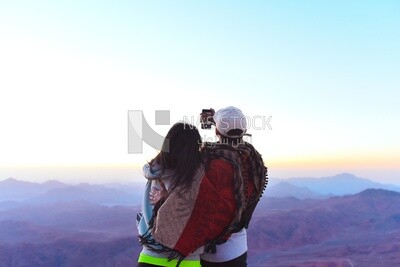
[175,169]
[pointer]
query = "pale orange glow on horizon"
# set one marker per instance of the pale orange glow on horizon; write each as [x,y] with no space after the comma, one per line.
[367,161]
[381,167]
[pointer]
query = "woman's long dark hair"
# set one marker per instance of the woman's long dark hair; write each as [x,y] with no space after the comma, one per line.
[181,153]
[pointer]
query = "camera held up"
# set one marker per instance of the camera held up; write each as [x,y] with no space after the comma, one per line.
[206,118]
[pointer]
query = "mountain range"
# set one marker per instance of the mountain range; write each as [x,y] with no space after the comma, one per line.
[359,230]
[337,185]
[285,189]
[295,224]
[127,194]
[13,190]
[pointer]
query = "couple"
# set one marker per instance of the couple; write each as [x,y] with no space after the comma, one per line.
[199,198]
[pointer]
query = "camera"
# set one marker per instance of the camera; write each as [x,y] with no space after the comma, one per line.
[206,118]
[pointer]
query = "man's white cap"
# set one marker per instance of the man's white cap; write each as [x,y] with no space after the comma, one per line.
[230,118]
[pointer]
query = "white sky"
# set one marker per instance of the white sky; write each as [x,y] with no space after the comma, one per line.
[70,72]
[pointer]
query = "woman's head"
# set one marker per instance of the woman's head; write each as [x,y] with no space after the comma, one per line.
[181,153]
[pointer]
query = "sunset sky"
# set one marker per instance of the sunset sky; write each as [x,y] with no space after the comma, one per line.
[327,72]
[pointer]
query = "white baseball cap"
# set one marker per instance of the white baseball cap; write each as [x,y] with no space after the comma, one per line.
[230,118]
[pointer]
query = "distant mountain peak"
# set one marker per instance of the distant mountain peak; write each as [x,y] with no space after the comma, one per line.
[53,182]
[345,174]
[378,193]
[340,184]
[10,180]
[285,189]
[14,182]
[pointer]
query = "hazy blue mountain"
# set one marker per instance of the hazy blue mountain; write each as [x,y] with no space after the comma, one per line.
[68,234]
[13,189]
[77,217]
[5,205]
[127,187]
[72,252]
[272,181]
[285,189]
[341,184]
[91,193]
[280,204]
[14,232]
[13,192]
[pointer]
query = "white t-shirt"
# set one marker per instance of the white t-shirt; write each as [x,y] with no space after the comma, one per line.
[231,249]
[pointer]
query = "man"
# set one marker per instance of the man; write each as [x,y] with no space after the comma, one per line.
[248,180]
